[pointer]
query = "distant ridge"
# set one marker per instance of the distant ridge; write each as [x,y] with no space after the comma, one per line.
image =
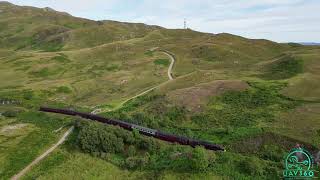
[5,2]
[310,43]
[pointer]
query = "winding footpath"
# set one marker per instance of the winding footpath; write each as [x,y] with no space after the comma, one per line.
[171,65]
[169,76]
[172,59]
[42,156]
[68,132]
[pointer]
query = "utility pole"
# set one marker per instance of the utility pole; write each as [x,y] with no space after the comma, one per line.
[185,24]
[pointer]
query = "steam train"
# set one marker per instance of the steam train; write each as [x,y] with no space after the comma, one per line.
[142,130]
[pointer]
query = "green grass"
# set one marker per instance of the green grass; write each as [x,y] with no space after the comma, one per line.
[64,89]
[284,68]
[49,47]
[46,72]
[149,53]
[208,53]
[164,62]
[62,61]
[303,86]
[76,164]
[226,118]
[62,58]
[33,138]
[68,162]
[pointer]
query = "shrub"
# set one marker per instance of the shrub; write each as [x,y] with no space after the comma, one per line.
[259,103]
[88,139]
[63,89]
[176,114]
[149,53]
[10,113]
[164,62]
[95,138]
[272,152]
[199,159]
[28,95]
[136,162]
[128,137]
[131,151]
[110,142]
[113,67]
[136,133]
[284,68]
[148,144]
[251,166]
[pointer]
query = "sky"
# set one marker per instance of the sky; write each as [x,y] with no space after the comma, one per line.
[277,20]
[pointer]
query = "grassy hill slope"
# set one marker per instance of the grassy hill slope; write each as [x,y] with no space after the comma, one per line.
[241,93]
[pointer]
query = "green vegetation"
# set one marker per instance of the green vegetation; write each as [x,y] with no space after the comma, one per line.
[101,139]
[46,72]
[226,118]
[207,53]
[149,53]
[133,151]
[164,62]
[285,67]
[28,133]
[257,104]
[199,160]
[63,89]
[50,47]
[182,160]
[62,58]
[11,113]
[257,98]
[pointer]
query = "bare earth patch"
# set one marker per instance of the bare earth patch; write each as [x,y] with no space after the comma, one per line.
[11,128]
[194,98]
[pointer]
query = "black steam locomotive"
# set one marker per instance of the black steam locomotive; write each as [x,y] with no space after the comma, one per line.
[142,130]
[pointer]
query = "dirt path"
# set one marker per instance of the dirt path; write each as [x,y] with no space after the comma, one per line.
[68,132]
[171,65]
[169,76]
[146,91]
[42,156]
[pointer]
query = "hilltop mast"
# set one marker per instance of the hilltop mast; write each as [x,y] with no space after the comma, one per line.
[185,24]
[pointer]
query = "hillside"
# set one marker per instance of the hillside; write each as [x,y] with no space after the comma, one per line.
[255,97]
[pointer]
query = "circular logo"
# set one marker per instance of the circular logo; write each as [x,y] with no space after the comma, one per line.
[298,163]
[298,159]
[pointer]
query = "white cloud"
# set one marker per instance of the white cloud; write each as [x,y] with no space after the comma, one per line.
[278,20]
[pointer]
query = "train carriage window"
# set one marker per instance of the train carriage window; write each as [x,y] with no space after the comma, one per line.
[143,129]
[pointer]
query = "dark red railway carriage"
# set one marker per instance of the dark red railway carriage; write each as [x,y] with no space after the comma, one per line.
[142,130]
